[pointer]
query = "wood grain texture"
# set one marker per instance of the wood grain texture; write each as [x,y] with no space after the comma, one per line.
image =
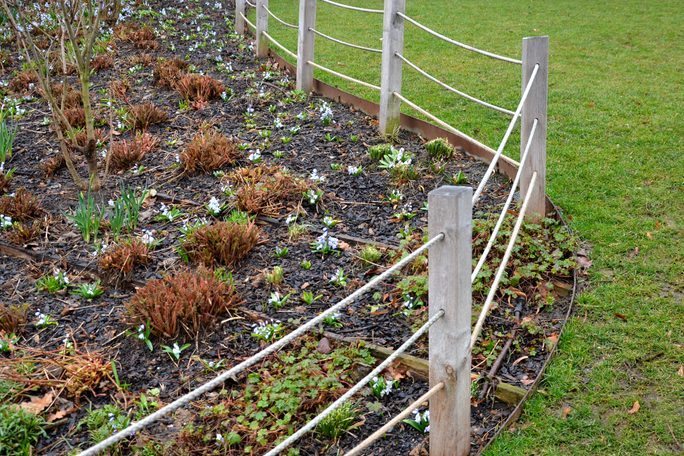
[305,45]
[390,77]
[450,212]
[261,26]
[535,51]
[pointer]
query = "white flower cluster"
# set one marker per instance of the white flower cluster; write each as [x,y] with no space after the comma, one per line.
[422,419]
[382,386]
[316,177]
[325,242]
[141,332]
[147,238]
[266,331]
[5,221]
[326,112]
[214,206]
[254,155]
[353,170]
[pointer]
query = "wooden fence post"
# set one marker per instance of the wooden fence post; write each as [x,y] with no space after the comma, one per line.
[261,26]
[390,77]
[535,50]
[449,268]
[239,21]
[305,45]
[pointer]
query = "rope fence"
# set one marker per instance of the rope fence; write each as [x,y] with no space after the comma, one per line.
[353,8]
[452,89]
[355,389]
[286,24]
[343,76]
[449,222]
[458,43]
[502,268]
[504,141]
[344,43]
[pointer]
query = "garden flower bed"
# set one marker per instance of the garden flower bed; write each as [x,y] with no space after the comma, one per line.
[234,208]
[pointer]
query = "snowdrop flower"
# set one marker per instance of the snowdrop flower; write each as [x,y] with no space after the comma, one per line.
[255,155]
[301,116]
[325,112]
[278,123]
[316,177]
[250,109]
[326,242]
[5,221]
[219,438]
[214,206]
[176,350]
[147,238]
[291,219]
[110,203]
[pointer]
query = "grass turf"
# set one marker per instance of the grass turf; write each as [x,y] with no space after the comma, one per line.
[615,148]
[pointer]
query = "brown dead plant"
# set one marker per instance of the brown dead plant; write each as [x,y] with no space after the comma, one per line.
[13,317]
[167,73]
[141,116]
[208,151]
[222,243]
[122,257]
[199,89]
[72,371]
[186,301]
[267,190]
[125,153]
[22,206]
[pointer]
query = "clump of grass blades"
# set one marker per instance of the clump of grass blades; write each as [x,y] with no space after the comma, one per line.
[19,430]
[87,216]
[7,135]
[208,151]
[222,243]
[439,148]
[187,301]
[199,89]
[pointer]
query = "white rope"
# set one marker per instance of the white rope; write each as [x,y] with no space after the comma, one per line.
[441,123]
[394,421]
[247,21]
[343,76]
[355,8]
[502,266]
[458,43]
[278,45]
[509,130]
[502,216]
[344,43]
[346,396]
[253,5]
[254,359]
[286,24]
[452,89]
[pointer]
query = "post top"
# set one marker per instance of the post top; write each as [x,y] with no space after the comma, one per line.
[452,190]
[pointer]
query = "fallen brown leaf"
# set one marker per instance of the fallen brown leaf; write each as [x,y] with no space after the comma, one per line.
[635,408]
[38,404]
[566,411]
[680,372]
[621,316]
[58,415]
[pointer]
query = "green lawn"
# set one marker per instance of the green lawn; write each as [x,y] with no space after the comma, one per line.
[615,150]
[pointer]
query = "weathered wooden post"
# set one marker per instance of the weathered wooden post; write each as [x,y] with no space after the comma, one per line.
[450,212]
[239,20]
[390,77]
[535,51]
[261,26]
[305,44]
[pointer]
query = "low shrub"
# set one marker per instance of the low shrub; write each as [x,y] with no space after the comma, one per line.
[187,302]
[222,243]
[124,256]
[23,233]
[199,89]
[102,62]
[209,150]
[22,206]
[141,116]
[167,73]
[66,94]
[267,190]
[125,153]
[25,83]
[75,116]
[142,37]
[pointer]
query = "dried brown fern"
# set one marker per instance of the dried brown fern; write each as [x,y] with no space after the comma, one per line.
[121,258]
[167,73]
[22,206]
[125,153]
[141,116]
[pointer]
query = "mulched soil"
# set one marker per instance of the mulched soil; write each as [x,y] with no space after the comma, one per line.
[359,203]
